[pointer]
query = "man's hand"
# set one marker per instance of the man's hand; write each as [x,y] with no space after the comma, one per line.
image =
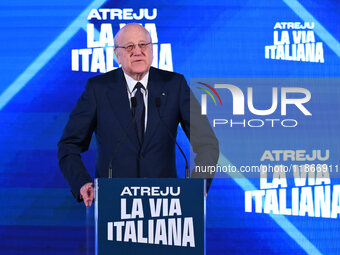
[87,193]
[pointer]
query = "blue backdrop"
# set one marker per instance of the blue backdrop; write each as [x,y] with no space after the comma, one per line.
[43,47]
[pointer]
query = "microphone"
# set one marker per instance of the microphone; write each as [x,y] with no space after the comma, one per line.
[158,104]
[133,106]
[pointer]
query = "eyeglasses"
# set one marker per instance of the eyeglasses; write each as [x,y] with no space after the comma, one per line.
[131,47]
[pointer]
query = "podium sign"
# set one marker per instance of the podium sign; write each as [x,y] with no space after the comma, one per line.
[150,216]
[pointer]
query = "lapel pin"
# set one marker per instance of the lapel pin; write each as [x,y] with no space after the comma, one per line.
[163,94]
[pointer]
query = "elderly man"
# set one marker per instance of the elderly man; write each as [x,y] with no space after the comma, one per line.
[123,107]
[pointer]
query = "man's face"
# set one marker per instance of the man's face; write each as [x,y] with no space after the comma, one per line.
[137,62]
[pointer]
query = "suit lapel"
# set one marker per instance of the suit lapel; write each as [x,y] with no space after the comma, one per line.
[155,89]
[119,101]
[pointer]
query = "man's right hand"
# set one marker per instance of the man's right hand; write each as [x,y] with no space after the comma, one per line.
[87,193]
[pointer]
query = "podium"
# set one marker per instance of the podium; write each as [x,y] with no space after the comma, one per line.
[150,216]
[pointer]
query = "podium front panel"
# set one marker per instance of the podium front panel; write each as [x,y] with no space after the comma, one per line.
[146,216]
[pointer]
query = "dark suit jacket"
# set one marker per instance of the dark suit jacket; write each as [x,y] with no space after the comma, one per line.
[104,108]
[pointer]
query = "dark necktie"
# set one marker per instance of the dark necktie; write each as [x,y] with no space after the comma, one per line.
[139,112]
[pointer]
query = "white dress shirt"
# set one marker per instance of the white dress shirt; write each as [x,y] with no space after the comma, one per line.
[131,83]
